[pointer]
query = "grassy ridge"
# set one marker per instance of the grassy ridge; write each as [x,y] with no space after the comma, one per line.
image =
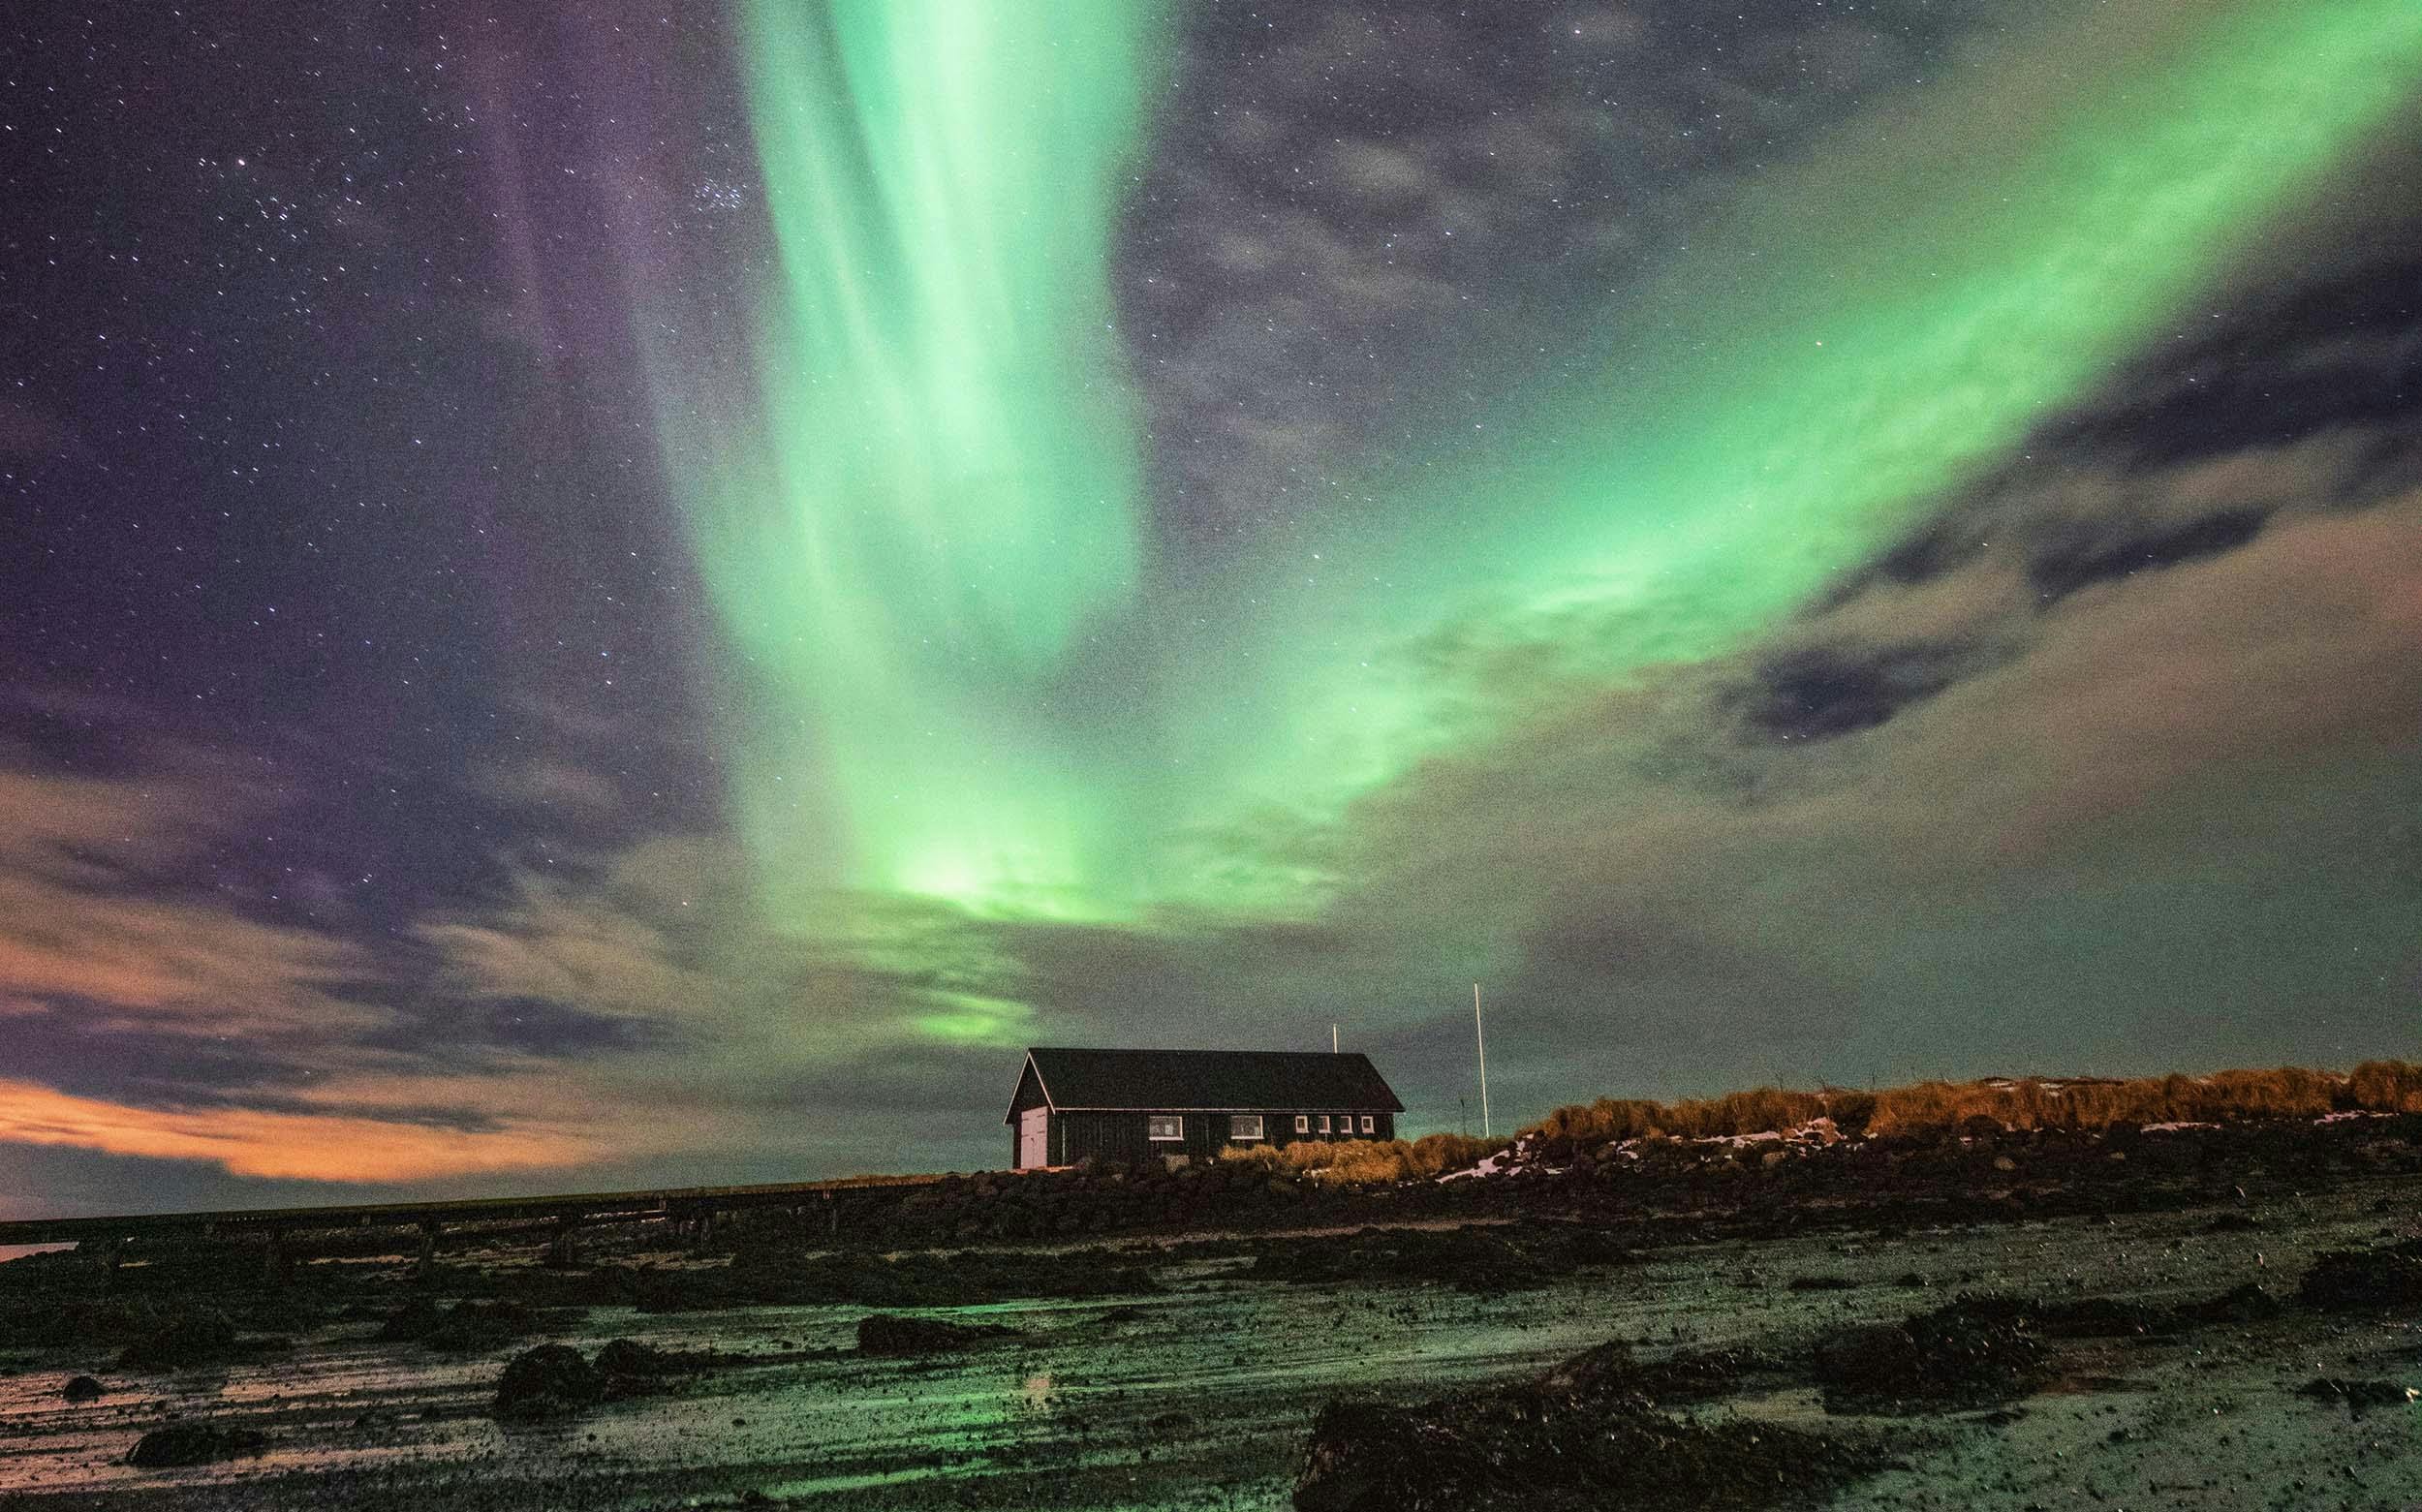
[2013,1102]
[1924,1108]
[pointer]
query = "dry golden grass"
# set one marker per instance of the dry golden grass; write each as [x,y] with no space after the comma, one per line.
[2021,1102]
[1354,1161]
[2073,1103]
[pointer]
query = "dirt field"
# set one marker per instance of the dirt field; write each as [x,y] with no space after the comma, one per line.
[1200,1391]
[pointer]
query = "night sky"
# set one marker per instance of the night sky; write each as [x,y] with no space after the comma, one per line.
[594,595]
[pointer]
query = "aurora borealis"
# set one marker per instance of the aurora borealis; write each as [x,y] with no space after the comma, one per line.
[641,574]
[943,487]
[902,568]
[1643,500]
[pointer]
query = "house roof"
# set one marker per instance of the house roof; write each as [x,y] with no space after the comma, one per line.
[1178,1081]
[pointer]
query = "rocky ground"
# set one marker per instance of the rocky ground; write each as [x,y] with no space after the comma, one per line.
[2182,1318]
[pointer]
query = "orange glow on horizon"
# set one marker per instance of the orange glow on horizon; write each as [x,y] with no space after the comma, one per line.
[331,1147]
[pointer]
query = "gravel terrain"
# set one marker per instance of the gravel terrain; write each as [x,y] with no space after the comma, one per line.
[1201,1391]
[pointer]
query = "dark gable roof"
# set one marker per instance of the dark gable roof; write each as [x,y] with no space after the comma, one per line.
[1176,1080]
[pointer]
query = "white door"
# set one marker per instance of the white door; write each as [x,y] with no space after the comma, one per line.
[1034,1138]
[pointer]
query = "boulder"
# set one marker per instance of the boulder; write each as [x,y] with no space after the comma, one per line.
[1976,1352]
[889,1333]
[2359,1396]
[1580,1437]
[196,1336]
[630,1358]
[551,1380]
[194,1443]
[2356,1280]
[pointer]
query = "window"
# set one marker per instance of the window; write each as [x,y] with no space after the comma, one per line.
[1324,1123]
[1303,1122]
[1244,1125]
[1345,1123]
[1366,1124]
[1166,1125]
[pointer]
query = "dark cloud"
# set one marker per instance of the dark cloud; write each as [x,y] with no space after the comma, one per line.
[1818,693]
[91,1050]
[470,1032]
[2330,363]
[2300,358]
[2059,568]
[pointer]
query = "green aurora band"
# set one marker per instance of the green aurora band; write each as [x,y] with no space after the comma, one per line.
[940,486]
[936,514]
[1860,335]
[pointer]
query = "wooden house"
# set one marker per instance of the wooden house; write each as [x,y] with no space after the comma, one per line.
[1136,1106]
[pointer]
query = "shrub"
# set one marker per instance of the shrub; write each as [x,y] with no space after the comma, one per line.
[2386,1087]
[1932,1108]
[1364,1161]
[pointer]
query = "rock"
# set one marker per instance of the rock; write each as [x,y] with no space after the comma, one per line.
[2349,1281]
[1610,1372]
[82,1388]
[1976,1352]
[548,1381]
[2358,1394]
[194,1337]
[630,1358]
[889,1333]
[1485,1258]
[2097,1317]
[412,1321]
[2246,1304]
[474,1325]
[1576,1437]
[2003,1162]
[194,1443]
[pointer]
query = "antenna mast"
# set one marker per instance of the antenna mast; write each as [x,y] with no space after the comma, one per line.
[1481,1039]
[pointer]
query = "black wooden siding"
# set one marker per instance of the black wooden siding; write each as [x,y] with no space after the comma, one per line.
[1124,1135]
[1125,1138]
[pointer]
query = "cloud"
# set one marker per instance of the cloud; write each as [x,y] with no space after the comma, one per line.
[151,1010]
[1351,208]
[556,944]
[92,906]
[549,783]
[1662,881]
[328,1146]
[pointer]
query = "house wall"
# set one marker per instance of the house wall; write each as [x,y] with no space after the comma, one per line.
[1029,1094]
[1126,1137]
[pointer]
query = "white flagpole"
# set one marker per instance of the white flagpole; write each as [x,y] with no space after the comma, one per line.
[1481,1039]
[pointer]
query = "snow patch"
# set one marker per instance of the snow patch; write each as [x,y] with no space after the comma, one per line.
[1496,1164]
